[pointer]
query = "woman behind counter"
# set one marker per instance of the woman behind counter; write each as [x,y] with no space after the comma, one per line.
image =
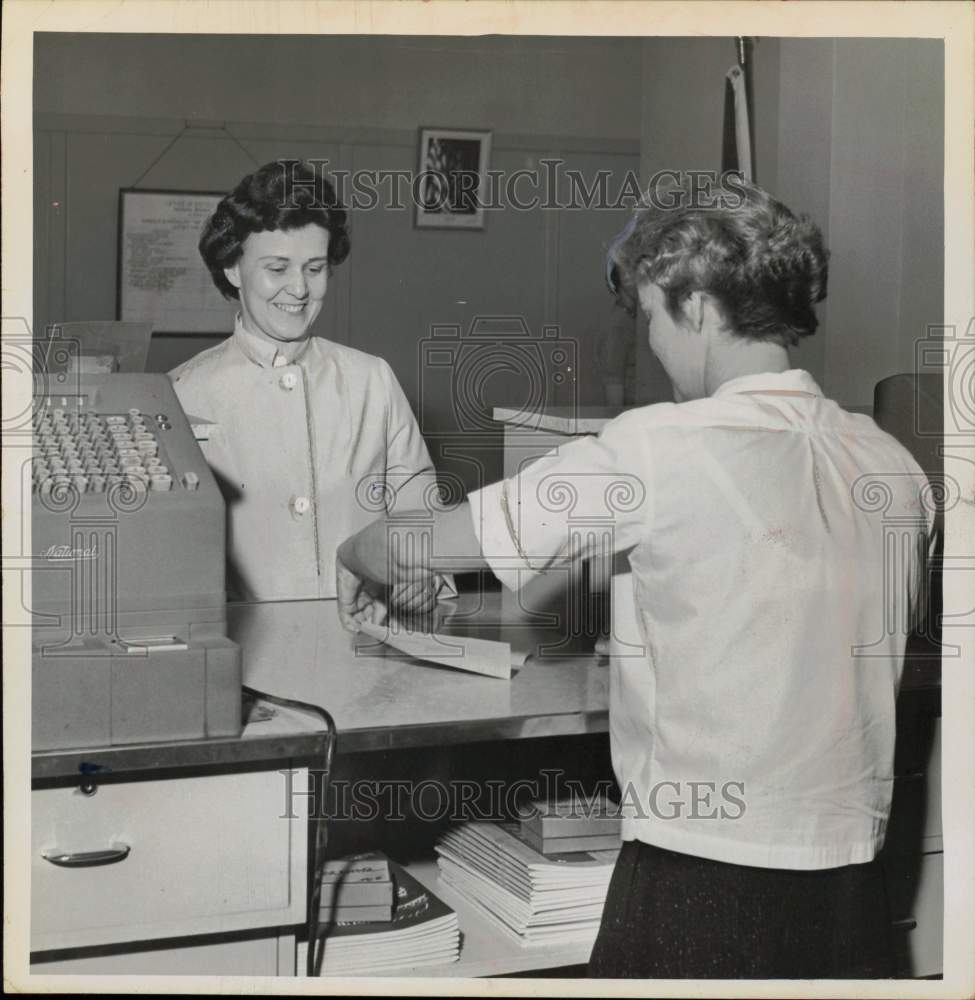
[753,746]
[308,438]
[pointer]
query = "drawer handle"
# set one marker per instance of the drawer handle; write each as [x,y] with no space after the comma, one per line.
[87,859]
[907,924]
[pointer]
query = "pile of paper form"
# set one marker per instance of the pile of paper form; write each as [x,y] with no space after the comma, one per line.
[531,898]
[423,931]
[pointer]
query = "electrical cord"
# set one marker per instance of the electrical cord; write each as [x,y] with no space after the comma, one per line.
[316,952]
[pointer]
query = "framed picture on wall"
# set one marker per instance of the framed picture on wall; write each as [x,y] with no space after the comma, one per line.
[451,184]
[162,279]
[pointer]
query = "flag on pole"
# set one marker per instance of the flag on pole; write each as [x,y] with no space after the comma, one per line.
[736,147]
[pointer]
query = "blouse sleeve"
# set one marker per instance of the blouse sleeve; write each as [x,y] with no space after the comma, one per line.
[584,498]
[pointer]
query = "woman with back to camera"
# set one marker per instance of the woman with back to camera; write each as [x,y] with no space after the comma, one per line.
[753,745]
[308,438]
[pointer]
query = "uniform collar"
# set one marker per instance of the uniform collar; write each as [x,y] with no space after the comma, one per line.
[795,380]
[265,352]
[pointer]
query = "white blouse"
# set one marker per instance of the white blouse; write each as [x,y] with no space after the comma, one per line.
[776,543]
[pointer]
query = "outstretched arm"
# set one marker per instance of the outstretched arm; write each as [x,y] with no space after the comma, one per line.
[402,552]
[523,525]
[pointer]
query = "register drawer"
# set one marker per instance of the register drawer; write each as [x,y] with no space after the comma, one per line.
[205,854]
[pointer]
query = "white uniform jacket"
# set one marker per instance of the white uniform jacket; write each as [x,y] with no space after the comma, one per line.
[309,443]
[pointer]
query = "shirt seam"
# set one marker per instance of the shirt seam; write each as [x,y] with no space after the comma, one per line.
[309,425]
[504,499]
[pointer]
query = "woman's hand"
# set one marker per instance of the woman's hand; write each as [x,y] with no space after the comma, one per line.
[361,601]
[366,564]
[417,597]
[358,600]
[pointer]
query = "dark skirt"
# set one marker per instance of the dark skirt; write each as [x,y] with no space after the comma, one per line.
[676,916]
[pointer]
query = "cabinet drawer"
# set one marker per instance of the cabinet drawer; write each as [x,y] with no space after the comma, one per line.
[266,956]
[915,816]
[204,854]
[932,785]
[916,889]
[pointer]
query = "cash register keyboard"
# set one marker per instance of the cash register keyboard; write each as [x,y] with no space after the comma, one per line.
[92,452]
[126,570]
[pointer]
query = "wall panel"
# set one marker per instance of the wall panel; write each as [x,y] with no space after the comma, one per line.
[545,266]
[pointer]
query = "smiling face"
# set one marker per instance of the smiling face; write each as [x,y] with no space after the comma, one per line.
[282,277]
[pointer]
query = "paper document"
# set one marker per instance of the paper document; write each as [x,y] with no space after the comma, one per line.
[479,656]
[153,644]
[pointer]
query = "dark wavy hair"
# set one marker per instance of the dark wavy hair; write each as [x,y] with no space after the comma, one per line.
[763,266]
[284,194]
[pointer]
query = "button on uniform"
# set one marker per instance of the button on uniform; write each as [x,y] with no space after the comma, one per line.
[282,542]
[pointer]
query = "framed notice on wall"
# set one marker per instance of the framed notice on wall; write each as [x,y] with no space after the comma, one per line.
[162,279]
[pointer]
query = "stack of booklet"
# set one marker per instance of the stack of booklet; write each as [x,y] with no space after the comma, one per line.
[356,890]
[532,898]
[572,824]
[423,931]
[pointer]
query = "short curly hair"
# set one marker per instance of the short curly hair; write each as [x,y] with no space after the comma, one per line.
[763,266]
[283,194]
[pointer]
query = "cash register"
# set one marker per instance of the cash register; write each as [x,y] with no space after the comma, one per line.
[129,641]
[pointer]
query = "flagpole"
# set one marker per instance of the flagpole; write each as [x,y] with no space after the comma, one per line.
[745,52]
[737,143]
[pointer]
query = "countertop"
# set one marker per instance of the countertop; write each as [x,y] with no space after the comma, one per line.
[378,699]
[381,700]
